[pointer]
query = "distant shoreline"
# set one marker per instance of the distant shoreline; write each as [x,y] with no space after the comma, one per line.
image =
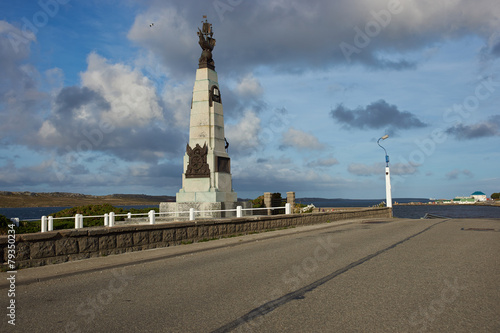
[62,199]
[492,204]
[10,199]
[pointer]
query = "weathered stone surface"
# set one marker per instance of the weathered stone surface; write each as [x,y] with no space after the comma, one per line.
[88,244]
[66,246]
[155,236]
[141,238]
[192,232]
[107,243]
[181,234]
[42,249]
[98,231]
[169,235]
[22,252]
[203,232]
[212,231]
[124,240]
[74,232]
[39,236]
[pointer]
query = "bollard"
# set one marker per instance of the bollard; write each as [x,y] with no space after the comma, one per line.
[51,223]
[288,208]
[191,214]
[77,221]
[151,216]
[129,215]
[112,219]
[44,223]
[239,211]
[106,220]
[81,220]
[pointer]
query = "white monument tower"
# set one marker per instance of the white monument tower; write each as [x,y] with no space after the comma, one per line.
[206,180]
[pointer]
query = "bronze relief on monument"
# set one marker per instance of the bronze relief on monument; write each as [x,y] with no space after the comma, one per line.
[197,166]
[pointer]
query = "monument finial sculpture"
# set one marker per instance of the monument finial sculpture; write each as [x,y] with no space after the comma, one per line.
[207,43]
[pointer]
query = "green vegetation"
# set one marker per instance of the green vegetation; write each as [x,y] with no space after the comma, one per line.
[69,223]
[258,202]
[4,223]
[495,196]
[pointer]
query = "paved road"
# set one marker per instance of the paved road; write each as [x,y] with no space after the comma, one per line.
[393,275]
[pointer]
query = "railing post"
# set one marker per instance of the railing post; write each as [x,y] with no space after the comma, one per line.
[191,214]
[77,221]
[239,211]
[106,219]
[111,219]
[81,220]
[288,208]
[51,223]
[129,215]
[152,217]
[44,223]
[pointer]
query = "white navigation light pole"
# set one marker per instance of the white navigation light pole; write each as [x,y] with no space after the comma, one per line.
[388,196]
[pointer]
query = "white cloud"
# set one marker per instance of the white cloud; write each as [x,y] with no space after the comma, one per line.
[132,96]
[323,162]
[249,86]
[454,174]
[300,140]
[376,169]
[172,38]
[244,135]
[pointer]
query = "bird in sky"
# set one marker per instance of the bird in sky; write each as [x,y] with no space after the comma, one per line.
[151,25]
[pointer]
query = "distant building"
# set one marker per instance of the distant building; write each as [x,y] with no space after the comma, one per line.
[464,200]
[479,196]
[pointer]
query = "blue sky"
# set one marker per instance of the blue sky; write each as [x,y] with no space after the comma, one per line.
[93,100]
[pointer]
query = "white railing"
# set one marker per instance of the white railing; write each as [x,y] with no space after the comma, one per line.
[47,222]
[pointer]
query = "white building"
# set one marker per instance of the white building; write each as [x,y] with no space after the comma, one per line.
[479,196]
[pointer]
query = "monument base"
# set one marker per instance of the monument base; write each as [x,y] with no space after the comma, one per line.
[208,197]
[204,210]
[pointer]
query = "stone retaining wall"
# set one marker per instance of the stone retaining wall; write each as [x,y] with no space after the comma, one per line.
[59,246]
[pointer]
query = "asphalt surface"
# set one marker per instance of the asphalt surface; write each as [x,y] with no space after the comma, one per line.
[381,275]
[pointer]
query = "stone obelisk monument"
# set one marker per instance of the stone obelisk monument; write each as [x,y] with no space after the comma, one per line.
[206,179]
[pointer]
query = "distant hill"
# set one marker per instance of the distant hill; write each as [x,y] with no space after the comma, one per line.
[62,199]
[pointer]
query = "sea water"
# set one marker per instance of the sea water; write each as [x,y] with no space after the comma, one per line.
[401,211]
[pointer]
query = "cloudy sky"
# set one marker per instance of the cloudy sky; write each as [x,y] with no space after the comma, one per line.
[94,100]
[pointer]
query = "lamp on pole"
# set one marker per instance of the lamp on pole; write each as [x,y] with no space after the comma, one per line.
[388,196]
